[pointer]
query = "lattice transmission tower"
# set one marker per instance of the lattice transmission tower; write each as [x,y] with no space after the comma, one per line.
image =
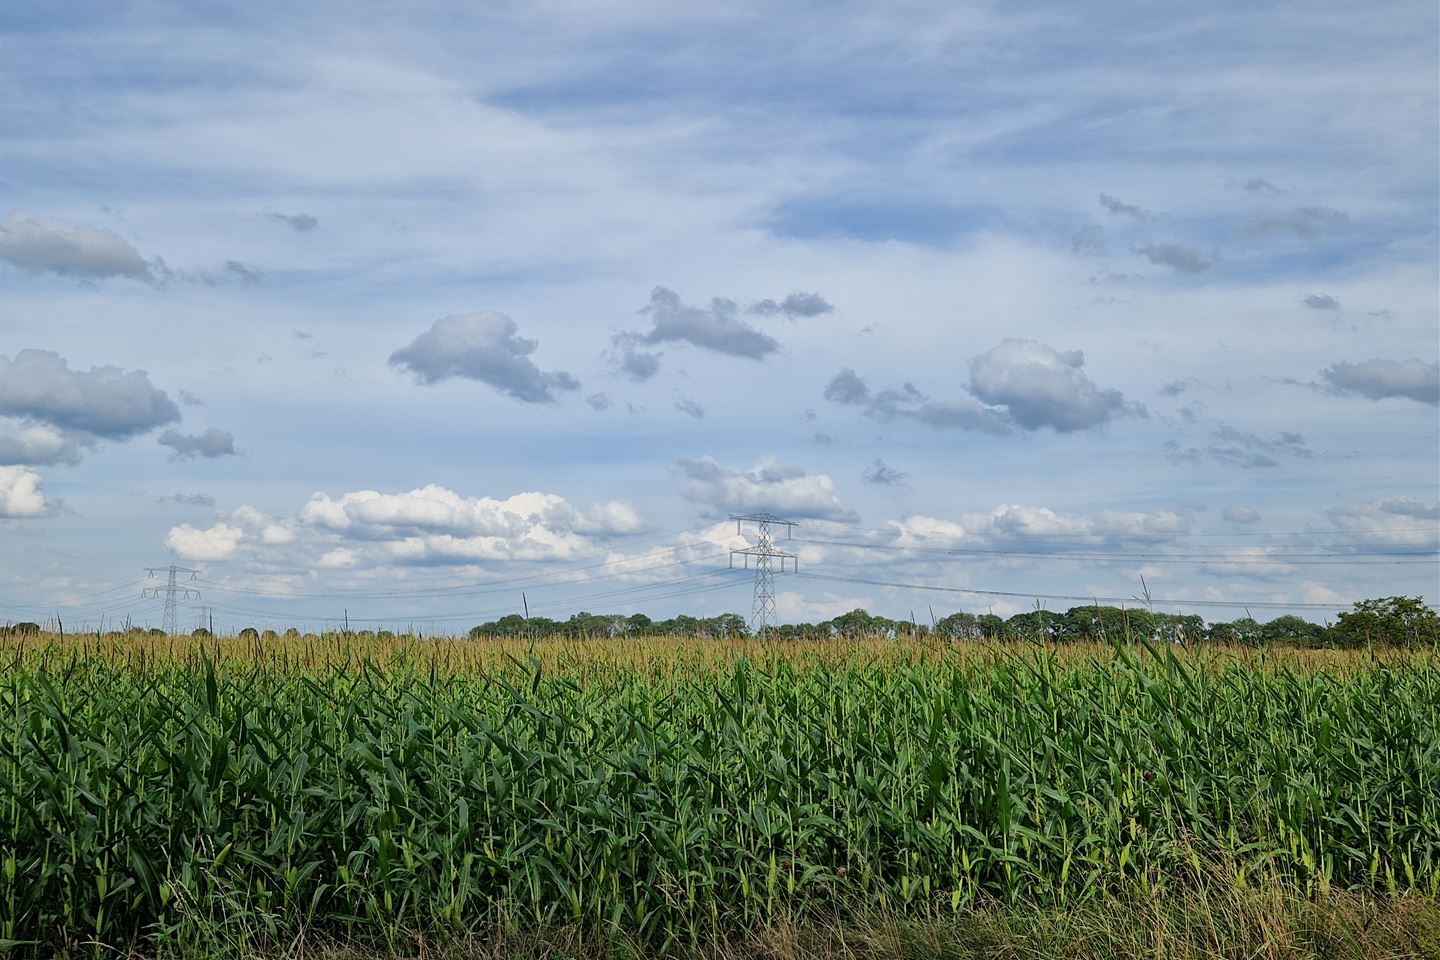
[765,554]
[173,594]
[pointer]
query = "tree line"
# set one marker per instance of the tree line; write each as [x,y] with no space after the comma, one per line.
[1391,621]
[1387,621]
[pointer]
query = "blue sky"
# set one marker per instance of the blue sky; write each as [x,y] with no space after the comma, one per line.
[345,304]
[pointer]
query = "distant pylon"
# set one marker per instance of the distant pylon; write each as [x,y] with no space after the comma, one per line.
[173,594]
[763,612]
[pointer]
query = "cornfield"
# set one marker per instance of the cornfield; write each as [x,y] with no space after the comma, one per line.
[158,796]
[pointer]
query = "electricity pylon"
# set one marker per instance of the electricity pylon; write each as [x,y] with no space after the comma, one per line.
[765,553]
[173,594]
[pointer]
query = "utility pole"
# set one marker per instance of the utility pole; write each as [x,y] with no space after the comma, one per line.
[765,554]
[173,594]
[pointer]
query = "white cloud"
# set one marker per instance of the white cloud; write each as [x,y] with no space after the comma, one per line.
[1389,521]
[341,558]
[783,490]
[484,347]
[215,542]
[107,402]
[51,246]
[1041,387]
[1412,379]
[434,524]
[214,442]
[21,496]
[36,444]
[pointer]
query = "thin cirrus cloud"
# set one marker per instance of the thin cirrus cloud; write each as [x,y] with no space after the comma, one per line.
[1118,208]
[1300,223]
[483,347]
[299,222]
[1245,449]
[880,474]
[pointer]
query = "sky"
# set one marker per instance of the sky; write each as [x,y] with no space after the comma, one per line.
[426,313]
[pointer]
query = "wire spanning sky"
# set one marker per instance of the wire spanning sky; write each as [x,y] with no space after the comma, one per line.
[388,303]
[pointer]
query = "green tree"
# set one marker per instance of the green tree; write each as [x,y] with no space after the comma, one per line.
[1293,630]
[958,626]
[1390,621]
[1035,625]
[1244,631]
[993,627]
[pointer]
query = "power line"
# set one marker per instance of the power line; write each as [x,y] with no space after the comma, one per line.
[1088,598]
[1315,559]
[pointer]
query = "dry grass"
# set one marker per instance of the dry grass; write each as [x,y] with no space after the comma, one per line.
[652,656]
[1214,924]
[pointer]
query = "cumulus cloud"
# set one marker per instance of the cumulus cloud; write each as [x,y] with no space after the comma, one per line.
[794,306]
[84,253]
[1173,255]
[1040,386]
[299,222]
[629,357]
[1320,301]
[21,496]
[1018,383]
[1242,448]
[716,327]
[1389,521]
[36,444]
[433,524]
[103,402]
[1377,379]
[1303,223]
[1241,515]
[879,474]
[784,490]
[908,403]
[214,442]
[484,347]
[846,387]
[1015,526]
[211,543]
[1118,207]
[267,530]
